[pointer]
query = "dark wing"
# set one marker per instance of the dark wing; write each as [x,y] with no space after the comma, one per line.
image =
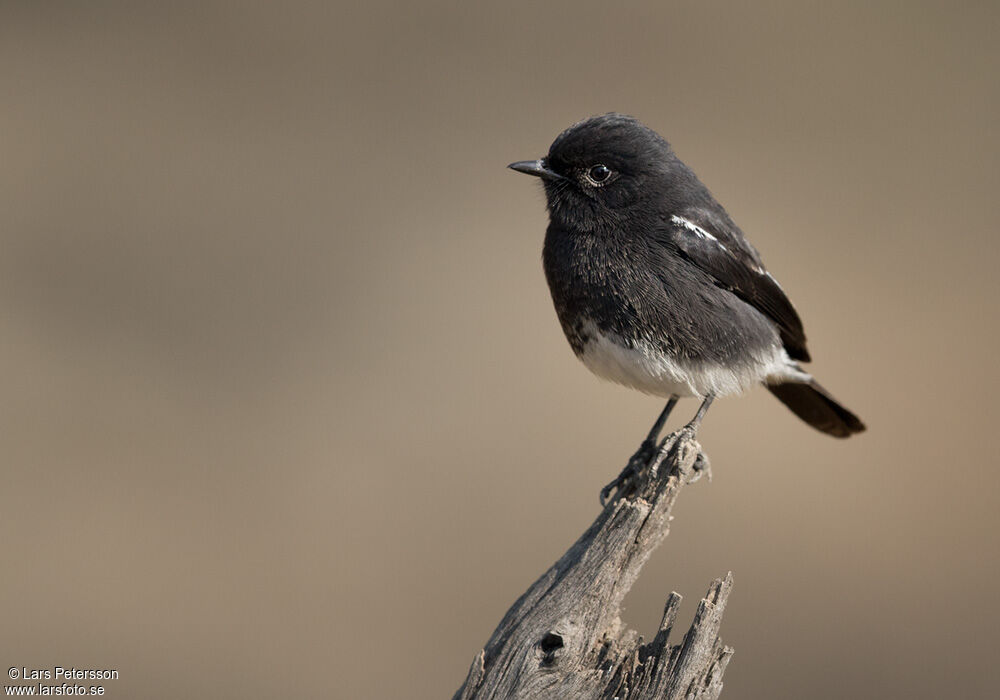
[716,246]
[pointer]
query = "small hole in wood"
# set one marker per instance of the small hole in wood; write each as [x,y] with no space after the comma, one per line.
[551,642]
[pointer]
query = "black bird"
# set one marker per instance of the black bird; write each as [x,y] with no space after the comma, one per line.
[656,288]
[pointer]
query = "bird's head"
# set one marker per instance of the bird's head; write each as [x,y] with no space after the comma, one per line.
[602,171]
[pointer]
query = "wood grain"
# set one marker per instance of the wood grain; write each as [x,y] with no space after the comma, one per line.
[564,637]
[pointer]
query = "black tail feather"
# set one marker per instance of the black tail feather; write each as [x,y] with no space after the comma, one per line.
[813,404]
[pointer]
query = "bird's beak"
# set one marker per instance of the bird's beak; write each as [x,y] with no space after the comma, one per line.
[536,168]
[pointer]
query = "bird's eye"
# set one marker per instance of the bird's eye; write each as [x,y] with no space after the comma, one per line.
[599,174]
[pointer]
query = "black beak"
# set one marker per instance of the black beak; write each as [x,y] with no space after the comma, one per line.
[536,168]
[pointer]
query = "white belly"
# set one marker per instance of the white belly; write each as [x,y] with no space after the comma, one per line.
[645,368]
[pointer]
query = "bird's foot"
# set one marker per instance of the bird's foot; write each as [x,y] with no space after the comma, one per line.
[684,446]
[681,447]
[627,481]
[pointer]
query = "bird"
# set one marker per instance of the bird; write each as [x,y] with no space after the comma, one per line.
[656,288]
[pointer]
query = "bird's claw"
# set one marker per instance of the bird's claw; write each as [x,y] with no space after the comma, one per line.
[686,442]
[637,463]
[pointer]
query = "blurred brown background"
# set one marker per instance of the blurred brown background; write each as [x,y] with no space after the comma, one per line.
[287,411]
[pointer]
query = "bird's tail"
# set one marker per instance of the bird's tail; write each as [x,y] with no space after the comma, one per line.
[813,404]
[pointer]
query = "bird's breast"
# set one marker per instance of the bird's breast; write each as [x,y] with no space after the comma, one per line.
[636,365]
[653,323]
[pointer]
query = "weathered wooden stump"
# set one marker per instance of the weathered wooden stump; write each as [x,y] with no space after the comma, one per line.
[564,638]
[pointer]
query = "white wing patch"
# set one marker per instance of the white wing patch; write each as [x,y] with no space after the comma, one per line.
[695,229]
[705,235]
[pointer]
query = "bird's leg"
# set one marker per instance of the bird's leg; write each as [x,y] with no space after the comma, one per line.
[646,451]
[702,410]
[688,432]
